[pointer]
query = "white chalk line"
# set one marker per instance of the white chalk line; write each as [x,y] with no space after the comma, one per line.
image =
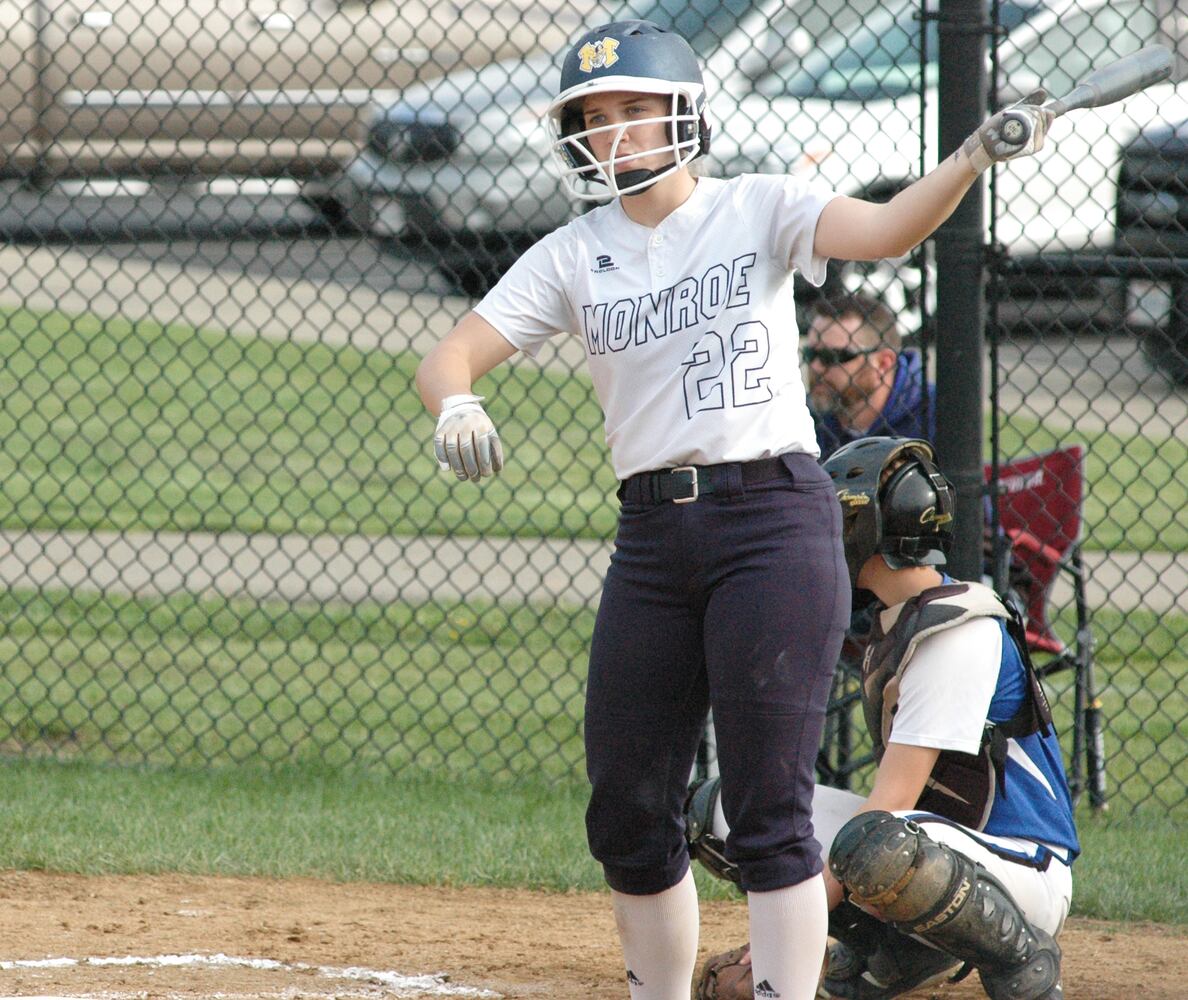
[393,984]
[289,993]
[292,993]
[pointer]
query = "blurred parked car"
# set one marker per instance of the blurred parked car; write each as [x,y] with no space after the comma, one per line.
[853,121]
[1152,225]
[142,88]
[463,160]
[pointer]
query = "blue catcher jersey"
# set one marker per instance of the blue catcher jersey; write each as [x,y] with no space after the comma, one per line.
[1034,802]
[947,708]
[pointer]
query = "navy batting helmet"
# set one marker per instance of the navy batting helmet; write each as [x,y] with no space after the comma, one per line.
[895,502]
[636,57]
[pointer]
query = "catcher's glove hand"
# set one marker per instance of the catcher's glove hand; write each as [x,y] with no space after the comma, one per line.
[727,976]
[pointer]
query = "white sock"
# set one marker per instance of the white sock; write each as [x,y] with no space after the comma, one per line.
[788,929]
[718,825]
[659,938]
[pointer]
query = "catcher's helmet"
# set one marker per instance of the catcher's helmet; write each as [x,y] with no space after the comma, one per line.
[895,502]
[636,57]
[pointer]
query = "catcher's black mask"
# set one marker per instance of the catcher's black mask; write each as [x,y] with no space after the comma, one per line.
[895,502]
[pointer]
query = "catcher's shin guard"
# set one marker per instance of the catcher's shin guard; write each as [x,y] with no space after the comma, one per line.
[871,960]
[699,826]
[930,890]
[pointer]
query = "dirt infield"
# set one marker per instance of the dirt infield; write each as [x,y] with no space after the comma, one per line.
[119,938]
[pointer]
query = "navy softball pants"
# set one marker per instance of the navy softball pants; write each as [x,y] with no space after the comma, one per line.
[737,601]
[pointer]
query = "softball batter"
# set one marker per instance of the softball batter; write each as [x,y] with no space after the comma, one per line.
[728,585]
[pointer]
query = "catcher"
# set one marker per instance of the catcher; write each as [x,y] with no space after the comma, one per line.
[960,857]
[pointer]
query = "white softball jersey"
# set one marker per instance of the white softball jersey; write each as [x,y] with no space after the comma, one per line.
[689,328]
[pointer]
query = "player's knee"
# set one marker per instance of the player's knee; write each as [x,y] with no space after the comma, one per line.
[889,864]
[871,854]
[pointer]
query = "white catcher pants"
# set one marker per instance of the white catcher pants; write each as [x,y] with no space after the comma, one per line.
[1044,896]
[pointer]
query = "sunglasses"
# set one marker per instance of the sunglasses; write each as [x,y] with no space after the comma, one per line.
[834,355]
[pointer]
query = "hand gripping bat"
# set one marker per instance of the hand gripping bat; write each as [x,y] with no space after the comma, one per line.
[1111,83]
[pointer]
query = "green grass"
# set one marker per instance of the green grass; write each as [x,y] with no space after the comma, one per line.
[346,825]
[336,824]
[1131,868]
[114,425]
[1141,667]
[495,690]
[485,689]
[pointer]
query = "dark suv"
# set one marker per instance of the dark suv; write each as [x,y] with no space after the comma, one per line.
[1152,233]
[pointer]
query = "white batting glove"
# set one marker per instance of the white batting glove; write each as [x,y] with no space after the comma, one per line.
[466,441]
[1017,130]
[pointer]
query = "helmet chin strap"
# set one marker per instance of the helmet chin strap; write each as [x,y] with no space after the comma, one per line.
[644,176]
[629,178]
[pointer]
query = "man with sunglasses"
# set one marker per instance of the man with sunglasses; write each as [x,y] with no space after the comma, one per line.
[861,381]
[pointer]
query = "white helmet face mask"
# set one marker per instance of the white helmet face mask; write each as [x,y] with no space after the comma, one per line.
[581,171]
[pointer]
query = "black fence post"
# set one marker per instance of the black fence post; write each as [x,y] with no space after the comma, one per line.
[960,310]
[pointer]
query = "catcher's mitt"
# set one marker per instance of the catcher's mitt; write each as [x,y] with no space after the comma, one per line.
[727,977]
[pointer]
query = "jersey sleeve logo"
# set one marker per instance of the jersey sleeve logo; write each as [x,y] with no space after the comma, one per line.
[598,55]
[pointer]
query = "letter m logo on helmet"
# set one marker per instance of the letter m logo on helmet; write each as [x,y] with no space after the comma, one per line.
[598,55]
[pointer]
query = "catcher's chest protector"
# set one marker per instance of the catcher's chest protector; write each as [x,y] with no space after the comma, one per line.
[962,786]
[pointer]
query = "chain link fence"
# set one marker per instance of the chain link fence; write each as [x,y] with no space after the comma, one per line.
[230,231]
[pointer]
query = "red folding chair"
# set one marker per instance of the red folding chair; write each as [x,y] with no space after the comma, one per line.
[1039,515]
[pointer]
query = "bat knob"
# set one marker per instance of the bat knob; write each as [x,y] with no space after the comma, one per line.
[1014,130]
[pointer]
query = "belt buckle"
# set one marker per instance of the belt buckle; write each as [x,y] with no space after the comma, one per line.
[692,470]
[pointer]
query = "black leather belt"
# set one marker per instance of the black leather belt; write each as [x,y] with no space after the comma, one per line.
[686,483]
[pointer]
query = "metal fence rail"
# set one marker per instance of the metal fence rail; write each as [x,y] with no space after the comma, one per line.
[228,240]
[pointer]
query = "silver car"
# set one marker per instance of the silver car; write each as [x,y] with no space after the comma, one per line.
[463,163]
[111,88]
